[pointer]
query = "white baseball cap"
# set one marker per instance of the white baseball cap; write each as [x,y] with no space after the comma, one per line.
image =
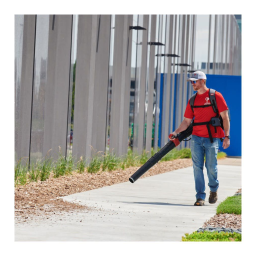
[197,75]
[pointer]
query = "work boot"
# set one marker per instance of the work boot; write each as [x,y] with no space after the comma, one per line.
[213,197]
[199,202]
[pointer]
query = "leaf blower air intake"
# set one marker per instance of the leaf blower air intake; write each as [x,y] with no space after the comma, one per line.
[161,153]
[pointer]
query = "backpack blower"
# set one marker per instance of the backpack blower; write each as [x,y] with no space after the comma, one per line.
[161,153]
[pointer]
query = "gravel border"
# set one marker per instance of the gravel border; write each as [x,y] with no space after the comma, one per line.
[218,229]
[223,229]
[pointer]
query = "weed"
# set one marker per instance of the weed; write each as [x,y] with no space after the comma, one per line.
[34,172]
[111,162]
[45,168]
[42,169]
[81,165]
[131,159]
[185,153]
[177,154]
[153,151]
[21,173]
[17,172]
[70,165]
[60,167]
[95,164]
[172,155]
[144,157]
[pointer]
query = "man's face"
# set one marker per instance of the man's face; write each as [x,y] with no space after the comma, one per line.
[198,84]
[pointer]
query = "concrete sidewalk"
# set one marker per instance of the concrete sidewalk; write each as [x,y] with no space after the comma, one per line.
[157,208]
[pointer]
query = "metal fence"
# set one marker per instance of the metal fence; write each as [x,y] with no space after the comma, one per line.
[86,84]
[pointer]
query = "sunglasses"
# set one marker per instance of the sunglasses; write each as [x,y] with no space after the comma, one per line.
[193,82]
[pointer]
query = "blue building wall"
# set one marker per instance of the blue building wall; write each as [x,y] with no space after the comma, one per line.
[230,88]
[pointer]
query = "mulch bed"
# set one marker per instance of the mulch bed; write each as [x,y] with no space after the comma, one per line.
[42,198]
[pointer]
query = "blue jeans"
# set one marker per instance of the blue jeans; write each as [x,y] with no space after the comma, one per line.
[201,147]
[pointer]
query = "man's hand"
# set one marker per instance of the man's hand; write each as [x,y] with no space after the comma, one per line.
[226,143]
[173,134]
[183,126]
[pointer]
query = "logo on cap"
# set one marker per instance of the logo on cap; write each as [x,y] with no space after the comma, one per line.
[195,75]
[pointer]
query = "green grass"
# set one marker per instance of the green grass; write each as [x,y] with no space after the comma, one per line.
[41,170]
[60,167]
[20,174]
[95,164]
[221,155]
[81,164]
[212,236]
[177,154]
[231,205]
[37,171]
[63,166]
[70,165]
[111,162]
[130,159]
[144,157]
[34,173]
[45,169]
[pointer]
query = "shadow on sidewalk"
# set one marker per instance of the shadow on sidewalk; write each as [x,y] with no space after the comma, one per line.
[157,203]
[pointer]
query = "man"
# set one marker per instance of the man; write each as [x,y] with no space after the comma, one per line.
[205,140]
